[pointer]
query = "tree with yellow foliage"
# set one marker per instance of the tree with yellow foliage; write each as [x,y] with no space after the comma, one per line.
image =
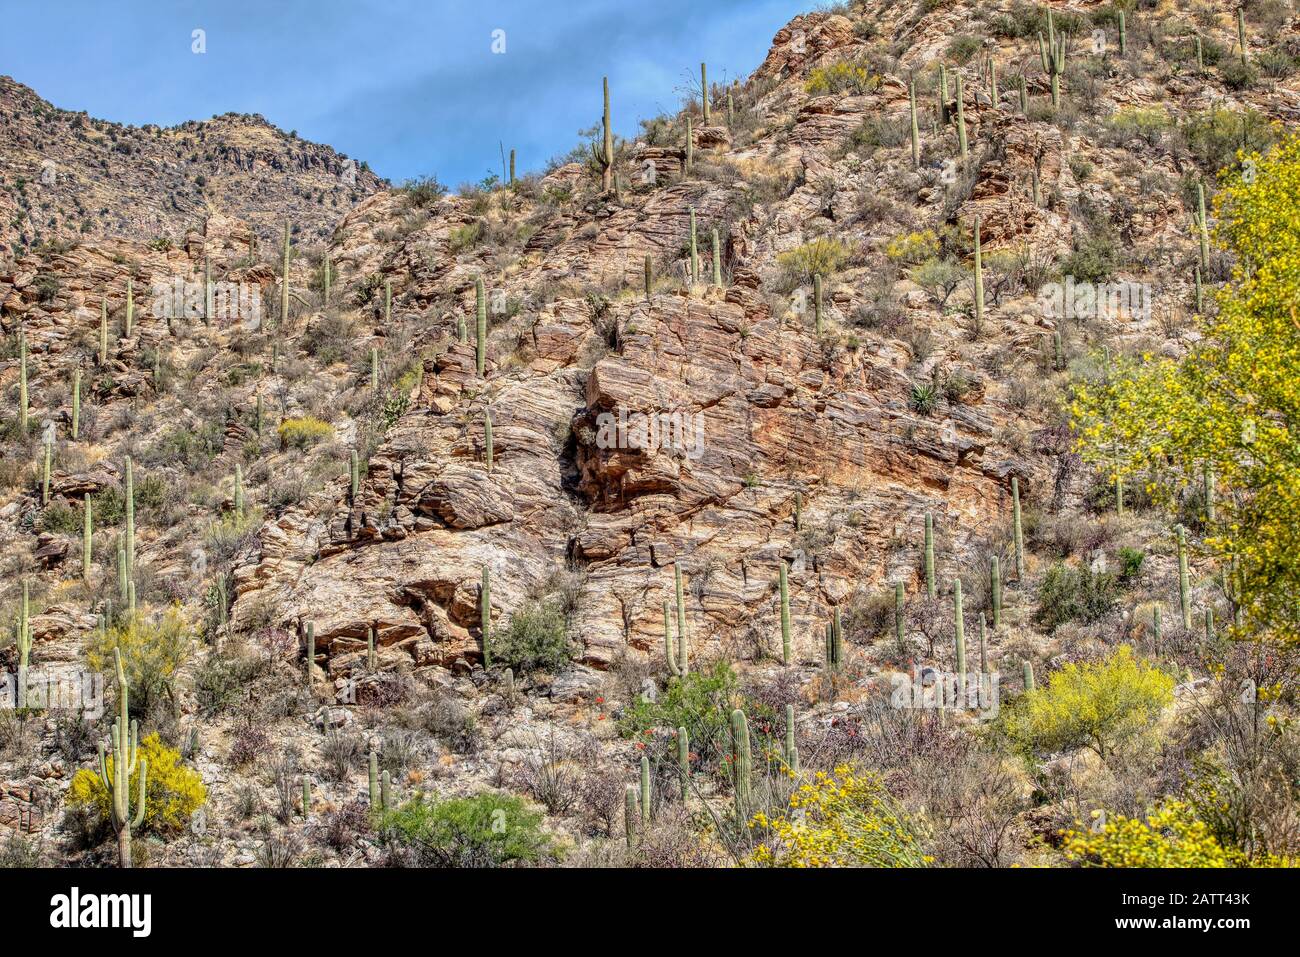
[1095,705]
[1171,836]
[1232,405]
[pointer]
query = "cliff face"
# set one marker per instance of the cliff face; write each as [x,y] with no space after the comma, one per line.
[818,435]
[69,177]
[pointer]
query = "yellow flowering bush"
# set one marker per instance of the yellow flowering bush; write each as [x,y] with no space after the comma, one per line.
[153,651]
[172,791]
[1232,406]
[843,77]
[304,431]
[1171,836]
[913,248]
[1098,705]
[843,819]
[820,257]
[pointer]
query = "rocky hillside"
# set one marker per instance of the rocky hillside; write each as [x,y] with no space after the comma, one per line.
[67,177]
[401,518]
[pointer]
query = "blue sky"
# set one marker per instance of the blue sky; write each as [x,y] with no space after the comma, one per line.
[410,86]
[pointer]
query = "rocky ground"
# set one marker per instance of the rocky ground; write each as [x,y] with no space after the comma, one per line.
[821,450]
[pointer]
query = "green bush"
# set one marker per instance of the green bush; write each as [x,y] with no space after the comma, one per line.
[1237,75]
[489,830]
[1069,594]
[535,641]
[1130,564]
[1095,259]
[700,703]
[1215,135]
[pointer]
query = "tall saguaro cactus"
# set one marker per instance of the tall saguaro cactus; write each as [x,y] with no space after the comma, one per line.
[1202,228]
[717,261]
[87,537]
[695,256]
[784,588]
[24,636]
[995,590]
[683,656]
[130,521]
[645,791]
[76,404]
[487,438]
[817,303]
[130,309]
[791,745]
[684,761]
[930,588]
[480,326]
[22,382]
[103,332]
[1184,584]
[604,154]
[1241,34]
[310,655]
[916,133]
[742,765]
[1052,54]
[959,630]
[284,276]
[962,149]
[116,775]
[704,92]
[1016,531]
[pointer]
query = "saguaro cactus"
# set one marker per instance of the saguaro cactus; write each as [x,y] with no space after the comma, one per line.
[388,303]
[130,309]
[310,658]
[695,256]
[87,536]
[1202,228]
[130,521]
[791,746]
[1024,93]
[385,790]
[374,369]
[645,791]
[677,661]
[962,150]
[354,476]
[24,636]
[1027,671]
[943,94]
[22,382]
[784,588]
[284,275]
[1184,586]
[930,588]
[604,154]
[1017,533]
[717,260]
[116,776]
[993,82]
[372,660]
[979,278]
[899,600]
[374,779]
[1200,291]
[1241,34]
[306,796]
[629,815]
[984,650]
[487,438]
[45,472]
[682,654]
[916,133]
[1207,481]
[103,332]
[959,630]
[704,92]
[512,167]
[76,404]
[741,762]
[326,278]
[817,303]
[835,642]
[995,590]
[1200,58]
[684,761]
[485,615]
[480,327]
[1123,34]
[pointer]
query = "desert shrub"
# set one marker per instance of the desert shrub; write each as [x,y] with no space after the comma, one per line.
[962,48]
[845,818]
[303,432]
[1237,75]
[422,191]
[1069,594]
[843,77]
[938,277]
[820,257]
[1170,836]
[1215,135]
[489,830]
[698,703]
[912,249]
[536,640]
[173,792]
[1100,706]
[1130,564]
[152,653]
[465,237]
[1147,123]
[1094,259]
